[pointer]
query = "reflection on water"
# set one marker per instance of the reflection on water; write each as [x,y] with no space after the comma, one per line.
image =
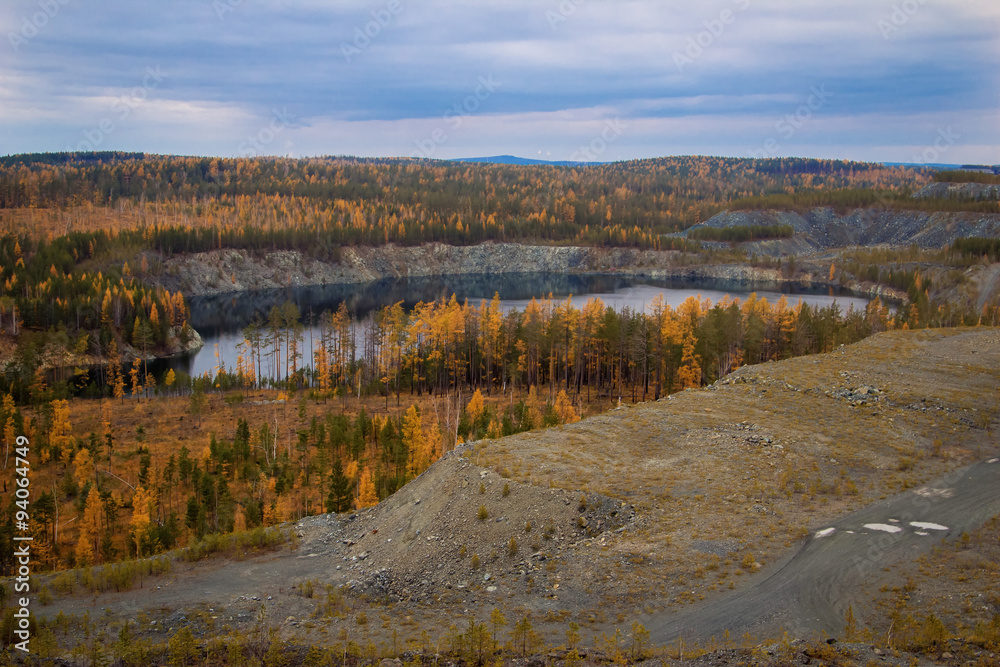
[220,319]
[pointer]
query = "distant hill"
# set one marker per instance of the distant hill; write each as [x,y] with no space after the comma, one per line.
[947,167]
[512,159]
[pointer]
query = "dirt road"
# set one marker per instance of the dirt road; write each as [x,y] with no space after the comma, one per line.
[810,592]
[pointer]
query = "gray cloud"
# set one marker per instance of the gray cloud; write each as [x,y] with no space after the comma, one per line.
[373,77]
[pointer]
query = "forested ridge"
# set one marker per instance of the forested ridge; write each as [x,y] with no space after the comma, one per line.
[193,204]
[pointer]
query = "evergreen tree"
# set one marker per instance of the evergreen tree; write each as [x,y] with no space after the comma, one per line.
[339,499]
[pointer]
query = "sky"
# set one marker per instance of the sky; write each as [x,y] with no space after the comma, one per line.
[584,80]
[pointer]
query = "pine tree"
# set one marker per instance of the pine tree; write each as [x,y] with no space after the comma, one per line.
[339,499]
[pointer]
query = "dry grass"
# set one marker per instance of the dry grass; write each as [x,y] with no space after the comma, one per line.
[704,492]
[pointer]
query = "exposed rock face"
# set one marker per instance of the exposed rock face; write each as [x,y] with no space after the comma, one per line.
[226,271]
[824,229]
[180,343]
[963,190]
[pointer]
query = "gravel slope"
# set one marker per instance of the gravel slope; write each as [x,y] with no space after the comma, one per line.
[812,590]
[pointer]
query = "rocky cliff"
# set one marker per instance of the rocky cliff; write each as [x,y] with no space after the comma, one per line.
[823,229]
[959,190]
[226,271]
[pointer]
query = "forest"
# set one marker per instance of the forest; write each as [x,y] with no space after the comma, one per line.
[316,205]
[132,463]
[84,237]
[355,416]
[965,176]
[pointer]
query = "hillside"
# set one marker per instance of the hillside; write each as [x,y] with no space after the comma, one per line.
[822,229]
[960,190]
[642,513]
[225,271]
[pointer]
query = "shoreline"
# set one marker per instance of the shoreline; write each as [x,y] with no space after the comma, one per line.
[223,273]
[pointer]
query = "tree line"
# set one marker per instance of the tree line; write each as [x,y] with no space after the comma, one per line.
[446,347]
[348,201]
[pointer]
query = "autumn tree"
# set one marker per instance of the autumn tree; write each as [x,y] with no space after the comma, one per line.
[141,510]
[414,441]
[90,527]
[83,465]
[366,490]
[564,408]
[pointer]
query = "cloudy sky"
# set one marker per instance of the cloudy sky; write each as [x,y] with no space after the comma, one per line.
[879,80]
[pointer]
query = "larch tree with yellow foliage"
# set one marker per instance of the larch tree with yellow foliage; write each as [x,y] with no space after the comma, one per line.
[84,467]
[367,497]
[141,501]
[414,441]
[564,409]
[92,513]
[83,552]
[474,409]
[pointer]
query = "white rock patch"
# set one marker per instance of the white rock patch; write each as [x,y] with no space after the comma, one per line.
[884,527]
[923,525]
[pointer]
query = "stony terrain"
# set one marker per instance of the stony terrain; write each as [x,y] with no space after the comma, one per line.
[227,271]
[645,513]
[963,190]
[822,229]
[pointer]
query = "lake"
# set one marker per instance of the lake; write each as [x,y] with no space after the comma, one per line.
[221,319]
